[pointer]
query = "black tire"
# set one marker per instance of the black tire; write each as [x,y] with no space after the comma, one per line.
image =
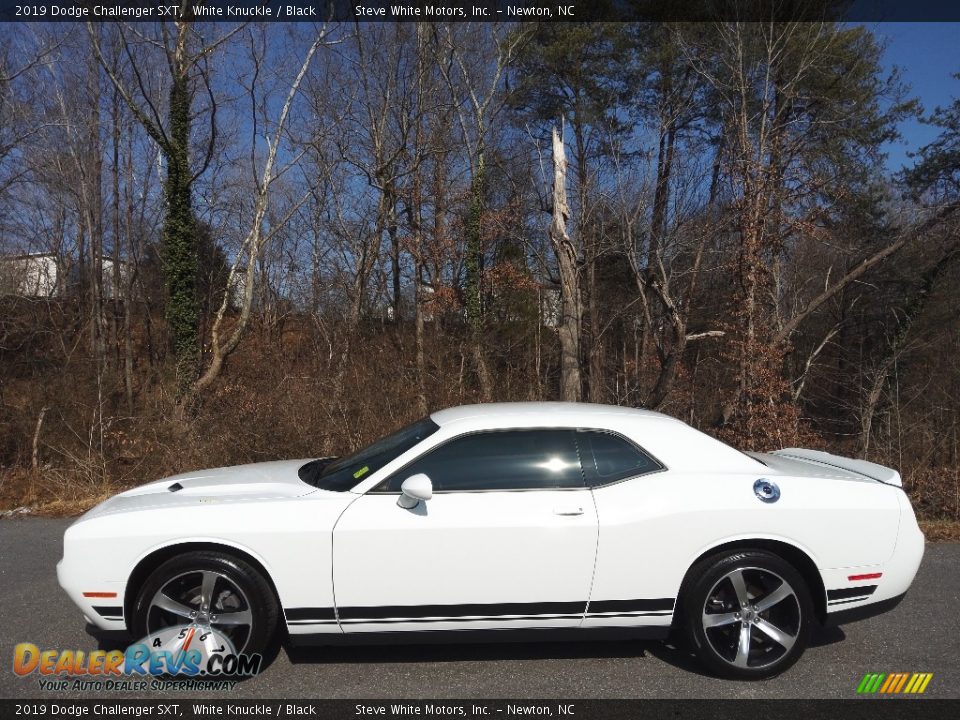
[713,615]
[256,593]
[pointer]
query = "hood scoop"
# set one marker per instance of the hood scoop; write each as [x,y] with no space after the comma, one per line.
[175,487]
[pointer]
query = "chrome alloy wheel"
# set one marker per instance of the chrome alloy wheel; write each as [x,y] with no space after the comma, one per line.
[206,600]
[751,617]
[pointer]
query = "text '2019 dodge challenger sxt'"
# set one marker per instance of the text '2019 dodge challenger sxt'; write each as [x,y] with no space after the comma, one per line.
[575,519]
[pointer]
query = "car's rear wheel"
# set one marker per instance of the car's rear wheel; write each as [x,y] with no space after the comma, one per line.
[208,591]
[747,614]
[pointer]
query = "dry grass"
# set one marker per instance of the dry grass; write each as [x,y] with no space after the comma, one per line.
[48,497]
[941,530]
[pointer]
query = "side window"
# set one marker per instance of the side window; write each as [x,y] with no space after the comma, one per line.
[608,458]
[500,460]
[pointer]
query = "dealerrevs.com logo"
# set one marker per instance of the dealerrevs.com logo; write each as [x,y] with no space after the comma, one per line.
[894,683]
[185,653]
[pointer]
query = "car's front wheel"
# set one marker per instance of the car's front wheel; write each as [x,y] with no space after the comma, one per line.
[217,596]
[747,614]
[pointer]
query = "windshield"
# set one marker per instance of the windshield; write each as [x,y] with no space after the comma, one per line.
[343,473]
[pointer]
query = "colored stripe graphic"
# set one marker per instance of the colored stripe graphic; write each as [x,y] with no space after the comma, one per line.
[891,680]
[903,681]
[894,683]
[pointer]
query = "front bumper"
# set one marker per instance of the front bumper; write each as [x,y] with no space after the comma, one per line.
[105,613]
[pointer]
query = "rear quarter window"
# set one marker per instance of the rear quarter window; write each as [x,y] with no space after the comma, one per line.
[609,458]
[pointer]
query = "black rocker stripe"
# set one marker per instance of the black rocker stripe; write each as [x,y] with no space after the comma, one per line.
[626,606]
[487,618]
[850,592]
[311,622]
[834,603]
[311,614]
[477,611]
[109,612]
[594,616]
[474,610]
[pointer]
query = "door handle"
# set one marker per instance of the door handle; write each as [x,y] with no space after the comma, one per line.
[568,511]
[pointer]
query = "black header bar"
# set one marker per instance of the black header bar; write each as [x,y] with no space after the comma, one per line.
[175,705]
[480,10]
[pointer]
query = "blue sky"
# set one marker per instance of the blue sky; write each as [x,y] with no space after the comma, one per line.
[927,54]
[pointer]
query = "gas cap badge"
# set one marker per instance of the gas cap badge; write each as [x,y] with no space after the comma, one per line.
[766,490]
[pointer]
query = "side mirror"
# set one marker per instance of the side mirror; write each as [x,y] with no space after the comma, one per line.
[414,489]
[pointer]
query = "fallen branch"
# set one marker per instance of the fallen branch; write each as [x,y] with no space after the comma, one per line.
[706,334]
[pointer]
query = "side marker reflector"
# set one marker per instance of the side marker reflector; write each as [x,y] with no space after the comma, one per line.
[100,594]
[867,576]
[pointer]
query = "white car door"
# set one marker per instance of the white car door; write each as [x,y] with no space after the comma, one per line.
[508,540]
[629,593]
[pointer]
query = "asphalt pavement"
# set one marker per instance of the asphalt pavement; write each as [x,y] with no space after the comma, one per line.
[921,635]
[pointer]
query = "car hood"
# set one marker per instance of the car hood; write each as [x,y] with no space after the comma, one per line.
[240,483]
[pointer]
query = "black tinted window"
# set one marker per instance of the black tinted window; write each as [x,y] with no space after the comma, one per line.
[344,473]
[608,458]
[506,460]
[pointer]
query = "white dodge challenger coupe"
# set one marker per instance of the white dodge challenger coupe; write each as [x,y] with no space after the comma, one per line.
[537,518]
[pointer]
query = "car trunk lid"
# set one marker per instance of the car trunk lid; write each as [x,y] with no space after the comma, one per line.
[838,466]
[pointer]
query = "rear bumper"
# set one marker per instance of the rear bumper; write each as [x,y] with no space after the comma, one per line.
[902,568]
[843,617]
[885,592]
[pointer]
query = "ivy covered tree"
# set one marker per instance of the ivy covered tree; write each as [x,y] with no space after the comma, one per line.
[806,106]
[186,57]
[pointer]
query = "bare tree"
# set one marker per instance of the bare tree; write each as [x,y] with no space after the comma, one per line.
[475,82]
[571,307]
[257,236]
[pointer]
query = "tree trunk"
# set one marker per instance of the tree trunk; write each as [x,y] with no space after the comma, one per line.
[133,266]
[570,302]
[474,275]
[93,210]
[661,197]
[115,295]
[422,404]
[590,325]
[595,380]
[179,246]
[394,234]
